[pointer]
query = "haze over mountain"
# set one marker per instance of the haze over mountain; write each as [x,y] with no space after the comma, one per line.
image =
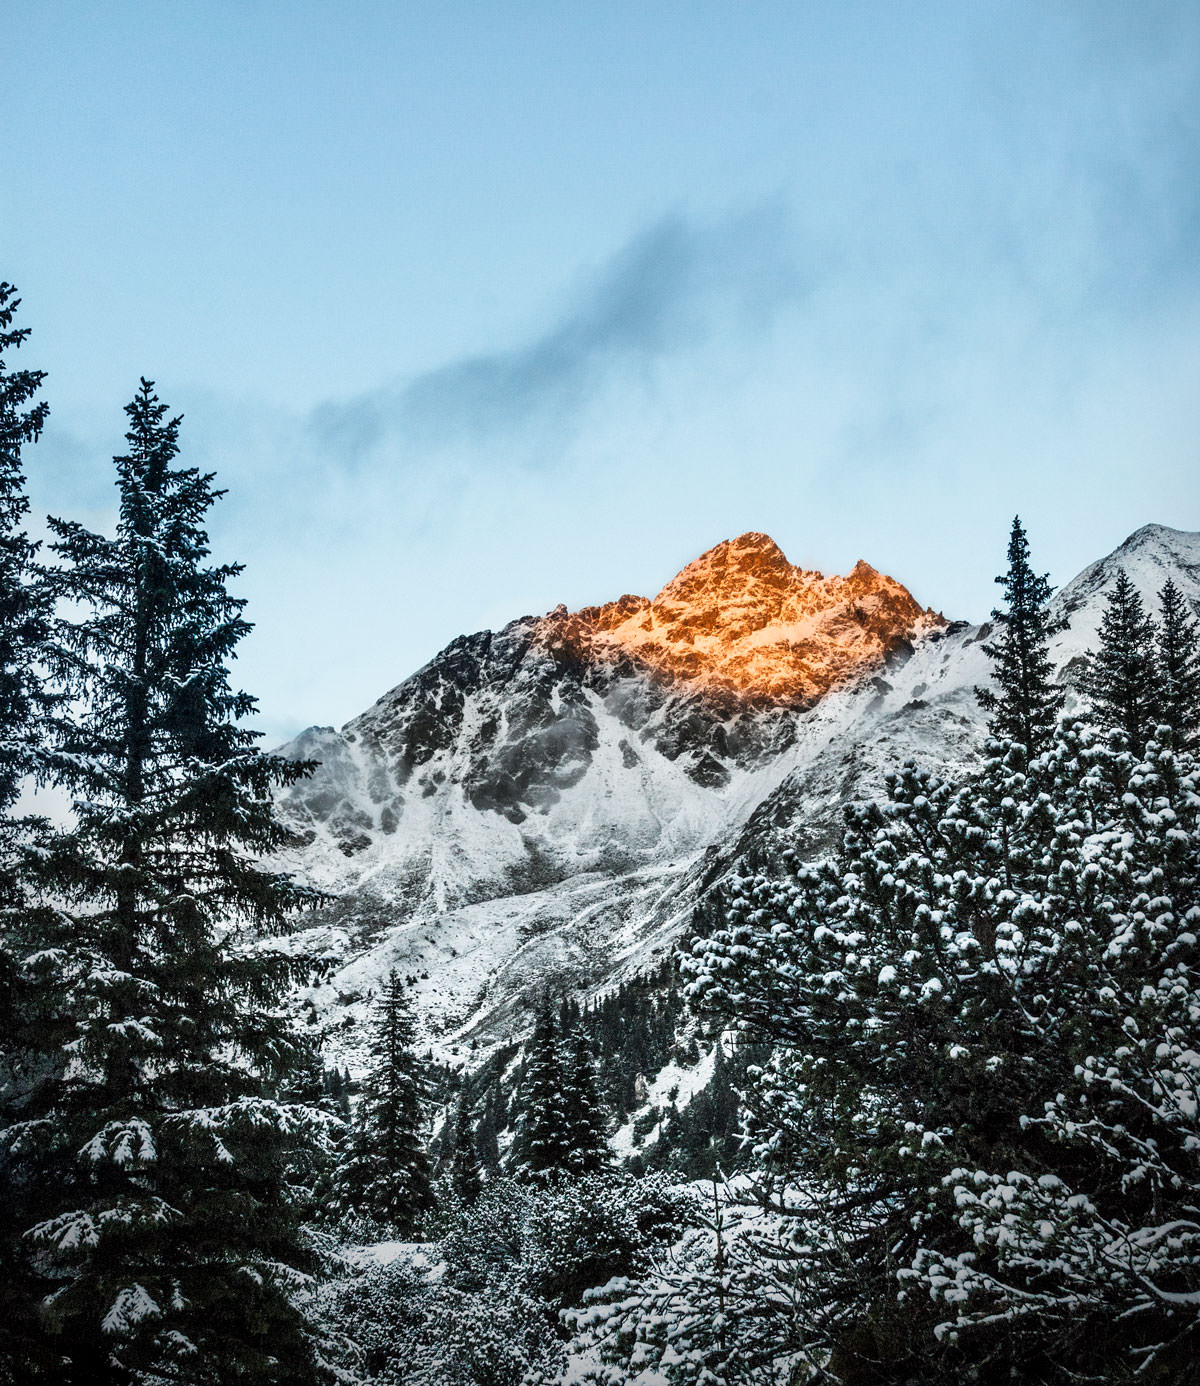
[549,803]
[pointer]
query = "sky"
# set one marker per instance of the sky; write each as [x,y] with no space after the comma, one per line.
[475,308]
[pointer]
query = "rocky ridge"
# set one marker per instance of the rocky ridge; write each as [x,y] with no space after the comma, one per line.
[544,806]
[743,622]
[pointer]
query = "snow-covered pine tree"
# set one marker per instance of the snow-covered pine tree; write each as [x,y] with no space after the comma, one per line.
[386,1171]
[984,1079]
[541,1148]
[24,605]
[1086,1245]
[487,1139]
[583,1116]
[30,1032]
[1026,703]
[169,1236]
[1121,683]
[466,1178]
[1178,666]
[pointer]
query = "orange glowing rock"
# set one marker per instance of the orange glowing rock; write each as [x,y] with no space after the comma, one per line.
[742,621]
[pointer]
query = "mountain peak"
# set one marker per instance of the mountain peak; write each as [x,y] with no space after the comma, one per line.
[742,621]
[750,548]
[1158,537]
[1148,557]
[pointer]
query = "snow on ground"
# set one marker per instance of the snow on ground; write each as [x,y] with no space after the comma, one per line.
[673,1085]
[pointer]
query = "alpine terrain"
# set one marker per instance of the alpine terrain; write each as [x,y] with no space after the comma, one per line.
[547,806]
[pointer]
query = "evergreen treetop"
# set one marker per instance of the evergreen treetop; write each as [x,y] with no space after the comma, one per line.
[31,1029]
[1026,703]
[541,1147]
[386,1172]
[465,1168]
[1178,666]
[1121,683]
[583,1117]
[24,604]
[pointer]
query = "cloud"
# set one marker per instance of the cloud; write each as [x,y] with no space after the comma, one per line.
[670,288]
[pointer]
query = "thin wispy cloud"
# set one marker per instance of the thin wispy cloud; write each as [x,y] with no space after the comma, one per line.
[671,288]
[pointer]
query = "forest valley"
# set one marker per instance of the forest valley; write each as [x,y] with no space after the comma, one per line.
[931,1105]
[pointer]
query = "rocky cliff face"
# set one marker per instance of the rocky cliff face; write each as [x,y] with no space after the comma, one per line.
[747,627]
[548,804]
[591,731]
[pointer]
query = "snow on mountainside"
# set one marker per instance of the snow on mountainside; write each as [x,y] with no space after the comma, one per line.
[549,803]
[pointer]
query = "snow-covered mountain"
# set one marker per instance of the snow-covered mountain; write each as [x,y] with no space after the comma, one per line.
[550,802]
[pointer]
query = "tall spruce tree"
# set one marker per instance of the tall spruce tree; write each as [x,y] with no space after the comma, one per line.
[386,1174]
[24,610]
[487,1140]
[583,1116]
[541,1148]
[1178,666]
[1121,683]
[168,1237]
[466,1177]
[25,606]
[1026,703]
[30,1031]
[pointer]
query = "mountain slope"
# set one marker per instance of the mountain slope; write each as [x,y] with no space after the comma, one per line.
[549,803]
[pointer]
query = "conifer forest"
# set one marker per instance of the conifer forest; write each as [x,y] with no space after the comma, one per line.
[913,1101]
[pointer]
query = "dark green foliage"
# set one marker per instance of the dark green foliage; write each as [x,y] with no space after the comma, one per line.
[584,1121]
[541,1148]
[561,1124]
[157,1165]
[30,1031]
[1025,704]
[633,1032]
[466,1177]
[1121,683]
[335,1089]
[24,610]
[630,1034]
[979,1111]
[487,1141]
[385,1173]
[508,1265]
[1178,667]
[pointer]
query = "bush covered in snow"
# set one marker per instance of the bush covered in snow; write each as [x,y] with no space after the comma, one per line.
[986,1018]
[481,1307]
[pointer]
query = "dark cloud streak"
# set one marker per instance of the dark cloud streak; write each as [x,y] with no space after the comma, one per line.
[667,290]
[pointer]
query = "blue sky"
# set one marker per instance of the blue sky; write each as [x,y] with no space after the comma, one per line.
[476,308]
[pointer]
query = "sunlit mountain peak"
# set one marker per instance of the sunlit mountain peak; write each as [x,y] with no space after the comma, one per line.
[741,620]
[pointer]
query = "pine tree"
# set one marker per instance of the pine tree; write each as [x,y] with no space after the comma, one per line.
[541,1148]
[24,649]
[1027,703]
[24,611]
[30,1031]
[168,1236]
[980,1113]
[724,1104]
[1178,666]
[583,1117]
[387,1172]
[487,1138]
[465,1175]
[1121,683]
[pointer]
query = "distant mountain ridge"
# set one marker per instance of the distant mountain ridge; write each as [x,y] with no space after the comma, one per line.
[548,804]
